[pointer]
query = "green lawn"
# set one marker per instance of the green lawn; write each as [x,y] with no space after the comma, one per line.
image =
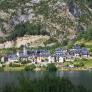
[88,63]
[13,68]
[88,44]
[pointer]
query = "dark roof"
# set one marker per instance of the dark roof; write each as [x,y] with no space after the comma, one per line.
[12,56]
[42,53]
[77,47]
[84,51]
[58,52]
[58,49]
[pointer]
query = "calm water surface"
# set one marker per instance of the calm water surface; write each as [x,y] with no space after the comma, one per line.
[83,78]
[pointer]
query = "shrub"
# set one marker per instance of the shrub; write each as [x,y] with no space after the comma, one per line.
[79,64]
[1,69]
[87,35]
[27,68]
[84,59]
[66,65]
[90,50]
[3,65]
[14,65]
[51,67]
[30,67]
[25,62]
[27,28]
[82,45]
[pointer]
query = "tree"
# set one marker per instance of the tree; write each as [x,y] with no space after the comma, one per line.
[51,67]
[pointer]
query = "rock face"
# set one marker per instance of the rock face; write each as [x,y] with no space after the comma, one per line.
[7,44]
[63,19]
[32,41]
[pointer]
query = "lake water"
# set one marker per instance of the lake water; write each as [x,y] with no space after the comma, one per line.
[83,78]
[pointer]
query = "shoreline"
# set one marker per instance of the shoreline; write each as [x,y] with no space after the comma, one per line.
[20,69]
[75,69]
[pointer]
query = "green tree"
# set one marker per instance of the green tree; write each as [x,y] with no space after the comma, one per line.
[51,67]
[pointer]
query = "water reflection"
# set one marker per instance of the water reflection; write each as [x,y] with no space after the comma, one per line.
[83,78]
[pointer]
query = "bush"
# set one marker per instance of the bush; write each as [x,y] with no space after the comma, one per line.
[25,62]
[67,65]
[1,69]
[27,68]
[90,50]
[87,35]
[27,29]
[79,64]
[51,67]
[82,45]
[3,65]
[30,67]
[84,59]
[14,65]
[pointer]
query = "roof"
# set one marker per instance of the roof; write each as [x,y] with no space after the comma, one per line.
[84,51]
[21,55]
[58,52]
[12,56]
[58,49]
[77,47]
[42,53]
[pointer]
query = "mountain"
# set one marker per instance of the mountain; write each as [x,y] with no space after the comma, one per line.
[61,20]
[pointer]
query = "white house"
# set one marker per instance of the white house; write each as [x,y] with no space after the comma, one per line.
[59,55]
[2,59]
[61,59]
[51,59]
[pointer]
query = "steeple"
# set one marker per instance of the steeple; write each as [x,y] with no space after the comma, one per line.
[17,53]
[24,50]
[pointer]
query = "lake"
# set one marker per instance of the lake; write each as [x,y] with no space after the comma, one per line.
[83,78]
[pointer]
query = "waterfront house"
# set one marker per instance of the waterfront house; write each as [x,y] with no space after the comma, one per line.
[76,51]
[23,57]
[9,58]
[84,52]
[42,55]
[59,55]
[12,58]
[80,52]
[4,59]
[51,59]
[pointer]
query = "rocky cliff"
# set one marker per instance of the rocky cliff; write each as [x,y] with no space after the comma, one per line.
[31,41]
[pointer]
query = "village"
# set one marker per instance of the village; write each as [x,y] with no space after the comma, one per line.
[44,57]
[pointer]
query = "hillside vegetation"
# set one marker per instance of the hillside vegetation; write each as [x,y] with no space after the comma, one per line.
[63,20]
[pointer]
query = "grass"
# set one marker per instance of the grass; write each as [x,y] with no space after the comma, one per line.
[14,68]
[88,44]
[88,63]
